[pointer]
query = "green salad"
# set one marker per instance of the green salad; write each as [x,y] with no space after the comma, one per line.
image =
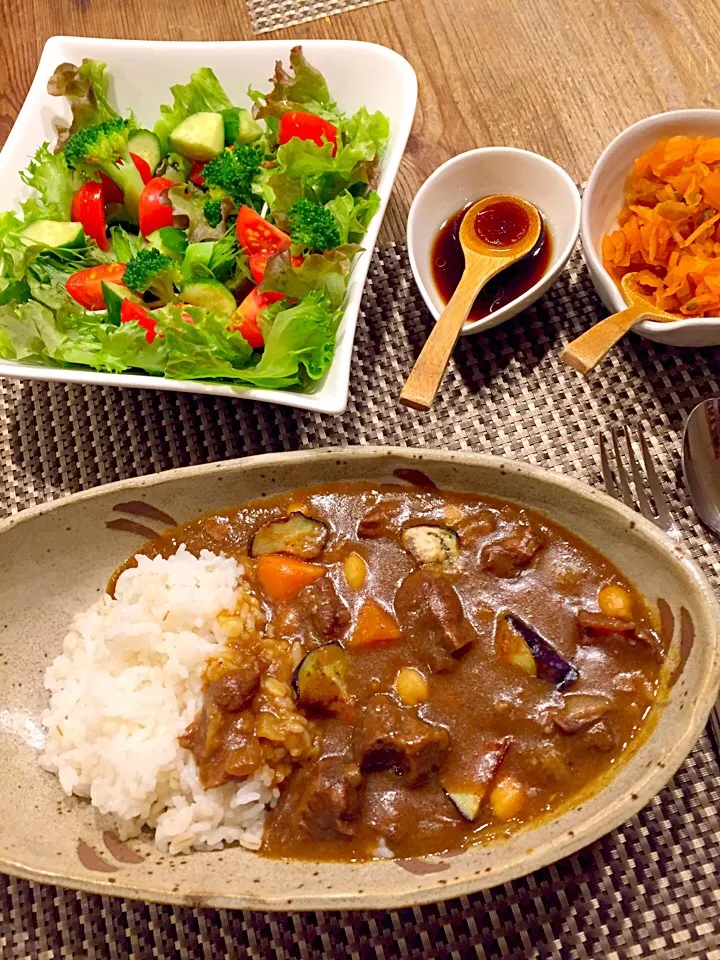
[217,245]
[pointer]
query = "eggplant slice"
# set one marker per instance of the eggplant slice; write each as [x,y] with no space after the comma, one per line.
[468,797]
[319,680]
[580,711]
[550,665]
[431,544]
[297,534]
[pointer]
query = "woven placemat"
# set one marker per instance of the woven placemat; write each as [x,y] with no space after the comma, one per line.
[268,15]
[649,889]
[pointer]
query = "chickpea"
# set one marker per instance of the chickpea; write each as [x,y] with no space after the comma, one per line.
[507,798]
[355,570]
[411,686]
[615,601]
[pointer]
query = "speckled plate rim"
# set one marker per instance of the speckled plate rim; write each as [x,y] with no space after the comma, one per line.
[424,886]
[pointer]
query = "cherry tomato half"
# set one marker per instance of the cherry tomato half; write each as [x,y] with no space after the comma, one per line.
[260,240]
[155,211]
[307,126]
[196,173]
[257,263]
[85,286]
[88,209]
[245,318]
[143,168]
[130,311]
[111,191]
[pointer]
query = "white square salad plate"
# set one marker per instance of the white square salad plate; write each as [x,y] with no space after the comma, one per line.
[142,72]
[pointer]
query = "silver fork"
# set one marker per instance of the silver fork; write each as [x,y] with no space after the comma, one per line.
[653,507]
[640,501]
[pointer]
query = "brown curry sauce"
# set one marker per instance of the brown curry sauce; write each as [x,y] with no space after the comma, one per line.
[480,701]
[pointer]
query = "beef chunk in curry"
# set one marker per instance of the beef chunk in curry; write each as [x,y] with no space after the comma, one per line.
[232,686]
[432,618]
[317,616]
[436,668]
[390,737]
[323,612]
[509,556]
[323,799]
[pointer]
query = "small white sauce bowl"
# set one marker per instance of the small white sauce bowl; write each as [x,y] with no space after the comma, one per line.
[604,198]
[482,173]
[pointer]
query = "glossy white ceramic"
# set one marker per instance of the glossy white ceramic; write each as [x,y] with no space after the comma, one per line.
[480,173]
[603,200]
[142,72]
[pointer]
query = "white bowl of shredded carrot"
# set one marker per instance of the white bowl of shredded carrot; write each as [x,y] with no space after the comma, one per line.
[652,206]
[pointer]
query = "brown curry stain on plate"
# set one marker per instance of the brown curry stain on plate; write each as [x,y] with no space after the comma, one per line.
[140,508]
[119,849]
[91,859]
[421,867]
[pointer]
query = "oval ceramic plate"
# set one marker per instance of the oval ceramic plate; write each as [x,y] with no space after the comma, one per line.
[55,560]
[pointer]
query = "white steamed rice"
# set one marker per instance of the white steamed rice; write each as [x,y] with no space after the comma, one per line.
[128,683]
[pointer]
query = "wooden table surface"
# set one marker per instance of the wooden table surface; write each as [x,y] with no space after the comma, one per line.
[561,77]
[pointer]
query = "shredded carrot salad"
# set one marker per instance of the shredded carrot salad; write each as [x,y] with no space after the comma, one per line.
[669,228]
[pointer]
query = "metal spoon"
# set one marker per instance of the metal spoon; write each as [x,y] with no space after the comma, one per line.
[483,260]
[701,466]
[701,461]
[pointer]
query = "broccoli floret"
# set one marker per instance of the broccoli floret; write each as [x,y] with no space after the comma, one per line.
[104,147]
[150,270]
[233,172]
[212,211]
[312,226]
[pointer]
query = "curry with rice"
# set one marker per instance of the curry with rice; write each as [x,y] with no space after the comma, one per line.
[436,668]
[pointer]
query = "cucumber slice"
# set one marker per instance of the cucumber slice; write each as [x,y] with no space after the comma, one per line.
[169,240]
[146,145]
[197,255]
[211,296]
[113,295]
[175,168]
[55,233]
[199,137]
[240,126]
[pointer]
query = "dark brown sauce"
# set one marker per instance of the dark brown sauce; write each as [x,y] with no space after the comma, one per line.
[448,264]
[481,699]
[502,224]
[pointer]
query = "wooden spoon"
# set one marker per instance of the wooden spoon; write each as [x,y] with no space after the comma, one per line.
[483,261]
[587,350]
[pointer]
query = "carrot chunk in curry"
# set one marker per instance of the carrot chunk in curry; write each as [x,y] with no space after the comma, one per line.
[436,668]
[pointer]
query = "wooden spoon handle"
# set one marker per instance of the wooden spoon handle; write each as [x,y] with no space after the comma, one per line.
[426,375]
[590,347]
